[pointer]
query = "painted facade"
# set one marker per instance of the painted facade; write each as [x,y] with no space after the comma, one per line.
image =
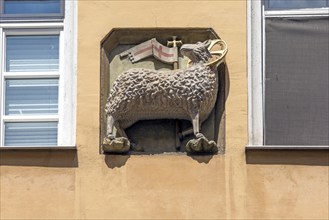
[84,184]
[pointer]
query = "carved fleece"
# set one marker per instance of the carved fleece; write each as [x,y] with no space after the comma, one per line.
[143,94]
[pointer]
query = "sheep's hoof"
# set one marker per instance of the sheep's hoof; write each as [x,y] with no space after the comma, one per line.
[117,145]
[201,145]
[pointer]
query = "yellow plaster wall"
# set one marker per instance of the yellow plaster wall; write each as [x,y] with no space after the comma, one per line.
[162,186]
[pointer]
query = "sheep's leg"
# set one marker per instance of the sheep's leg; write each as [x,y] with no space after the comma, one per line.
[123,134]
[195,129]
[112,144]
[121,131]
[110,124]
[201,144]
[196,126]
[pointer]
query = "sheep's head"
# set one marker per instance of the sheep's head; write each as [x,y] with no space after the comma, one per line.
[197,53]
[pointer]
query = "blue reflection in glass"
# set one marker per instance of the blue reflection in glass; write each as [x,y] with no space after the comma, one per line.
[32,53]
[31,97]
[32,6]
[31,134]
[296,4]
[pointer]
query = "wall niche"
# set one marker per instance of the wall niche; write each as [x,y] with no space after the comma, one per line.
[159,135]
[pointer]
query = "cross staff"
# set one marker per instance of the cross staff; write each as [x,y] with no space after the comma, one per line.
[174,43]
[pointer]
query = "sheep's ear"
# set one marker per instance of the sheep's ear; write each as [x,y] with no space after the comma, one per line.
[207,43]
[208,53]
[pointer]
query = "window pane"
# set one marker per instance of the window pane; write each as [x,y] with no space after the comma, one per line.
[295,4]
[32,53]
[31,7]
[31,97]
[31,133]
[297,81]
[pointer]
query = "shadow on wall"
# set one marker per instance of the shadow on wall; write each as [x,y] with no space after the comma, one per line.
[40,158]
[116,160]
[119,160]
[202,158]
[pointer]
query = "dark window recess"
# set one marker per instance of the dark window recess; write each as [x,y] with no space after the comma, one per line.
[295,4]
[296,81]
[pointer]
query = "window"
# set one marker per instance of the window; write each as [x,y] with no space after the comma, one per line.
[37,83]
[288,73]
[31,9]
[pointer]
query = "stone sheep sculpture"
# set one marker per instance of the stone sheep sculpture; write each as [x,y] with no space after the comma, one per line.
[144,94]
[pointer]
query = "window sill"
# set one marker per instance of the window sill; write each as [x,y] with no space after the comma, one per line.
[288,155]
[286,147]
[41,148]
[57,156]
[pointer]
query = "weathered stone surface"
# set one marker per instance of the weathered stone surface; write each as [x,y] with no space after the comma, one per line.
[201,145]
[117,145]
[143,94]
[185,94]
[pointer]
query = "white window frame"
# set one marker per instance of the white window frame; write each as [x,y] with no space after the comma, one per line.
[256,15]
[67,30]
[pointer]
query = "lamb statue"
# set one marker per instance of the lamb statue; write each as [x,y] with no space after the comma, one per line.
[145,94]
